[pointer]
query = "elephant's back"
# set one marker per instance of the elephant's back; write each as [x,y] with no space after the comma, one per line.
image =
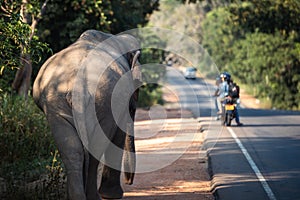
[58,75]
[94,36]
[55,78]
[59,70]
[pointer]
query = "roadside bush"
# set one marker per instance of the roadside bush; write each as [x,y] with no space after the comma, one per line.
[252,41]
[270,65]
[149,95]
[25,148]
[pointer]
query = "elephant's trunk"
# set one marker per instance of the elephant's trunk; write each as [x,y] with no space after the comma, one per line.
[129,160]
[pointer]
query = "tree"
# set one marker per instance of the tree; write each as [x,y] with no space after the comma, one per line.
[29,16]
[270,65]
[254,41]
[64,21]
[267,16]
[72,17]
[24,23]
[19,45]
[130,14]
[184,18]
[219,34]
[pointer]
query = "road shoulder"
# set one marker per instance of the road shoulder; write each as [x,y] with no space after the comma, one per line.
[185,178]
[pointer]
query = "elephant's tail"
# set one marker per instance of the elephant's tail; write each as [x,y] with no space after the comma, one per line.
[129,159]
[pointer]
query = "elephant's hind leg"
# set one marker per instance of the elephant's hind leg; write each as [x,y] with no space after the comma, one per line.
[91,189]
[110,187]
[72,154]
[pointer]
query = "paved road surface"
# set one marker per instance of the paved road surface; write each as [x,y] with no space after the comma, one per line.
[271,140]
[194,95]
[262,162]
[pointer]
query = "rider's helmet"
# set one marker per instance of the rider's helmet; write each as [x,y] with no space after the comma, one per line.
[226,76]
[222,75]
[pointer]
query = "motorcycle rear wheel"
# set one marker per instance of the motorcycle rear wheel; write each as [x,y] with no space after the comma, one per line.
[227,120]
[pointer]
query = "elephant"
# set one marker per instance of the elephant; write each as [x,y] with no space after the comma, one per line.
[89,118]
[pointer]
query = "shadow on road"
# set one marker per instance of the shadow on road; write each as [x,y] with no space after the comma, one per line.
[266,113]
[271,125]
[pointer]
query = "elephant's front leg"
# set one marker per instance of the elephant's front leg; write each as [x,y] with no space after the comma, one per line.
[110,187]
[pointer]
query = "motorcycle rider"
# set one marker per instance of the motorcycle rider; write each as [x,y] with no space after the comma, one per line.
[234,94]
[217,83]
[224,91]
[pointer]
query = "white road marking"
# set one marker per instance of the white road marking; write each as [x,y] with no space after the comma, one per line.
[254,167]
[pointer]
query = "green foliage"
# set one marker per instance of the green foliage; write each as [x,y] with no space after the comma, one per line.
[151,92]
[15,37]
[12,36]
[184,18]
[6,79]
[219,35]
[23,120]
[72,17]
[130,14]
[267,16]
[55,183]
[25,141]
[64,21]
[150,95]
[270,64]
[61,24]
[258,42]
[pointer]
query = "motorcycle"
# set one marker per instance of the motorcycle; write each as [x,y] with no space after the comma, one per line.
[228,111]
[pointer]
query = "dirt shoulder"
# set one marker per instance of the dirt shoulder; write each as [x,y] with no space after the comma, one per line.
[184,176]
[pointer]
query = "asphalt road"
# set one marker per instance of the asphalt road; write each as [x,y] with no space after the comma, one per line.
[195,95]
[258,161]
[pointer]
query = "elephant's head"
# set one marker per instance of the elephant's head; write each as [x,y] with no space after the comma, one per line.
[131,48]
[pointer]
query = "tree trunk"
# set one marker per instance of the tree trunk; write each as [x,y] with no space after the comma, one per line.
[22,80]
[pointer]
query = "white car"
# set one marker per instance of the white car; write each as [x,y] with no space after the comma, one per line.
[190,73]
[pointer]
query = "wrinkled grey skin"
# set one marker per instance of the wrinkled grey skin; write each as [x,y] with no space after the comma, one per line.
[54,92]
